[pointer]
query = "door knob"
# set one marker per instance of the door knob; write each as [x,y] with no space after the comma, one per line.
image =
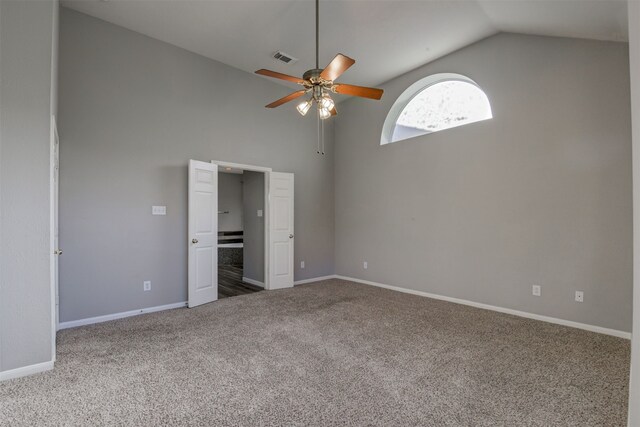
[57,252]
[291,236]
[194,241]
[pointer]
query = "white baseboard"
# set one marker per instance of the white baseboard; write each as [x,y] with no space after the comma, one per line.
[252,282]
[314,279]
[122,315]
[572,324]
[584,326]
[26,370]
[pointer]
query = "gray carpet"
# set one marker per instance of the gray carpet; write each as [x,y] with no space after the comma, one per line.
[330,353]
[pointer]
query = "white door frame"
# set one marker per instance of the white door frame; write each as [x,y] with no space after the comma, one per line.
[53,225]
[267,217]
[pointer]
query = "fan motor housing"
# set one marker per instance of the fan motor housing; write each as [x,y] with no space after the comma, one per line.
[313,76]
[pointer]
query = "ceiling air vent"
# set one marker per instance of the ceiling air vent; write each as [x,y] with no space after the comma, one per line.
[284,57]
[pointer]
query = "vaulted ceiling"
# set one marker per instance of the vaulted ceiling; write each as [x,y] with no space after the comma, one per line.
[386,37]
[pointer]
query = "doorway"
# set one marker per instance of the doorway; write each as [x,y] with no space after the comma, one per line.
[205,235]
[241,233]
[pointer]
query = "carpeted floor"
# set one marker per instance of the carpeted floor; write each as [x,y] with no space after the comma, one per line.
[330,353]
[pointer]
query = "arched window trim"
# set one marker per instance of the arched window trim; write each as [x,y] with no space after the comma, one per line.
[409,94]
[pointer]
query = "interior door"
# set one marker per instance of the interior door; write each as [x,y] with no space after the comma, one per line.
[281,235]
[57,252]
[55,246]
[203,233]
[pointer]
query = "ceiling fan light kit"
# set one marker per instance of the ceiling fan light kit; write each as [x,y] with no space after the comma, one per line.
[319,83]
[323,113]
[304,107]
[326,102]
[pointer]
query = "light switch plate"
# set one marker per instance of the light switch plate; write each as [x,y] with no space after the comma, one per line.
[158,210]
[579,296]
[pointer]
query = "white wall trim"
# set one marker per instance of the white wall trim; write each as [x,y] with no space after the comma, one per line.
[26,370]
[252,282]
[122,315]
[314,279]
[570,323]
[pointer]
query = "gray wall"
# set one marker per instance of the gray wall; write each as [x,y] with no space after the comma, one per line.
[27,34]
[132,112]
[540,195]
[253,200]
[634,59]
[230,199]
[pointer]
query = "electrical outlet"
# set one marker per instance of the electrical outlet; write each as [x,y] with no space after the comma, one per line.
[259,213]
[146,285]
[365,265]
[301,264]
[535,290]
[579,296]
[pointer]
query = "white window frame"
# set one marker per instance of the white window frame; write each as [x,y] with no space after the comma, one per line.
[411,92]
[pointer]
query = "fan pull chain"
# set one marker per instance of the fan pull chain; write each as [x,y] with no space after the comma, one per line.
[318,148]
[322,128]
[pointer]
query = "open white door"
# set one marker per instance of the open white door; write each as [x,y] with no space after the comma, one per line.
[203,233]
[281,230]
[55,172]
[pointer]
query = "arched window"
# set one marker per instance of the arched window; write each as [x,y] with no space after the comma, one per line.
[435,103]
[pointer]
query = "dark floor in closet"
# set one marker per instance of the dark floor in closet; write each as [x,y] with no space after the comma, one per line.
[230,282]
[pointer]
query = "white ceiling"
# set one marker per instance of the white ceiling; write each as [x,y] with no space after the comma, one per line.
[386,37]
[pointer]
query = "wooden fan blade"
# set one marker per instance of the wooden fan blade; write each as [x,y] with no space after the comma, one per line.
[336,67]
[334,112]
[287,98]
[361,91]
[280,76]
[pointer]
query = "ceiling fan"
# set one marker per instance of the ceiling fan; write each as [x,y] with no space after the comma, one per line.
[320,82]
